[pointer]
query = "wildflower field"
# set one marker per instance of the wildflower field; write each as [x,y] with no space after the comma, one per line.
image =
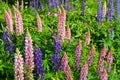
[59,40]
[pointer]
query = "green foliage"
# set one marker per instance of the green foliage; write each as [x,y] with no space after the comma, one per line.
[79,27]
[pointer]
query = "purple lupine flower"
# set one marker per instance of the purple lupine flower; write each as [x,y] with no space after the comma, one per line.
[5,37]
[67,73]
[54,3]
[77,55]
[84,71]
[49,4]
[91,56]
[109,60]
[101,59]
[67,7]
[110,10]
[18,66]
[117,9]
[38,63]
[99,12]
[55,61]
[103,75]
[31,4]
[11,46]
[29,57]
[82,7]
[57,46]
[64,61]
[8,44]
[56,55]
[36,4]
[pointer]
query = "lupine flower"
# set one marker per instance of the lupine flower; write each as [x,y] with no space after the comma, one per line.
[54,3]
[38,63]
[64,62]
[67,73]
[103,75]
[84,71]
[77,55]
[68,34]
[55,58]
[18,22]
[101,59]
[61,24]
[99,12]
[5,37]
[49,4]
[87,38]
[29,57]
[9,12]
[91,56]
[8,44]
[31,4]
[22,4]
[57,46]
[18,66]
[82,7]
[117,9]
[104,10]
[39,23]
[11,46]
[55,61]
[36,4]
[8,20]
[110,10]
[109,60]
[67,5]
[57,3]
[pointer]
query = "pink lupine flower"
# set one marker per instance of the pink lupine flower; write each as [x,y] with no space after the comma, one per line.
[109,60]
[10,13]
[18,66]
[103,75]
[61,24]
[103,51]
[29,57]
[104,10]
[67,73]
[39,23]
[101,59]
[8,20]
[64,62]
[84,71]
[68,34]
[77,55]
[18,22]
[87,38]
[91,56]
